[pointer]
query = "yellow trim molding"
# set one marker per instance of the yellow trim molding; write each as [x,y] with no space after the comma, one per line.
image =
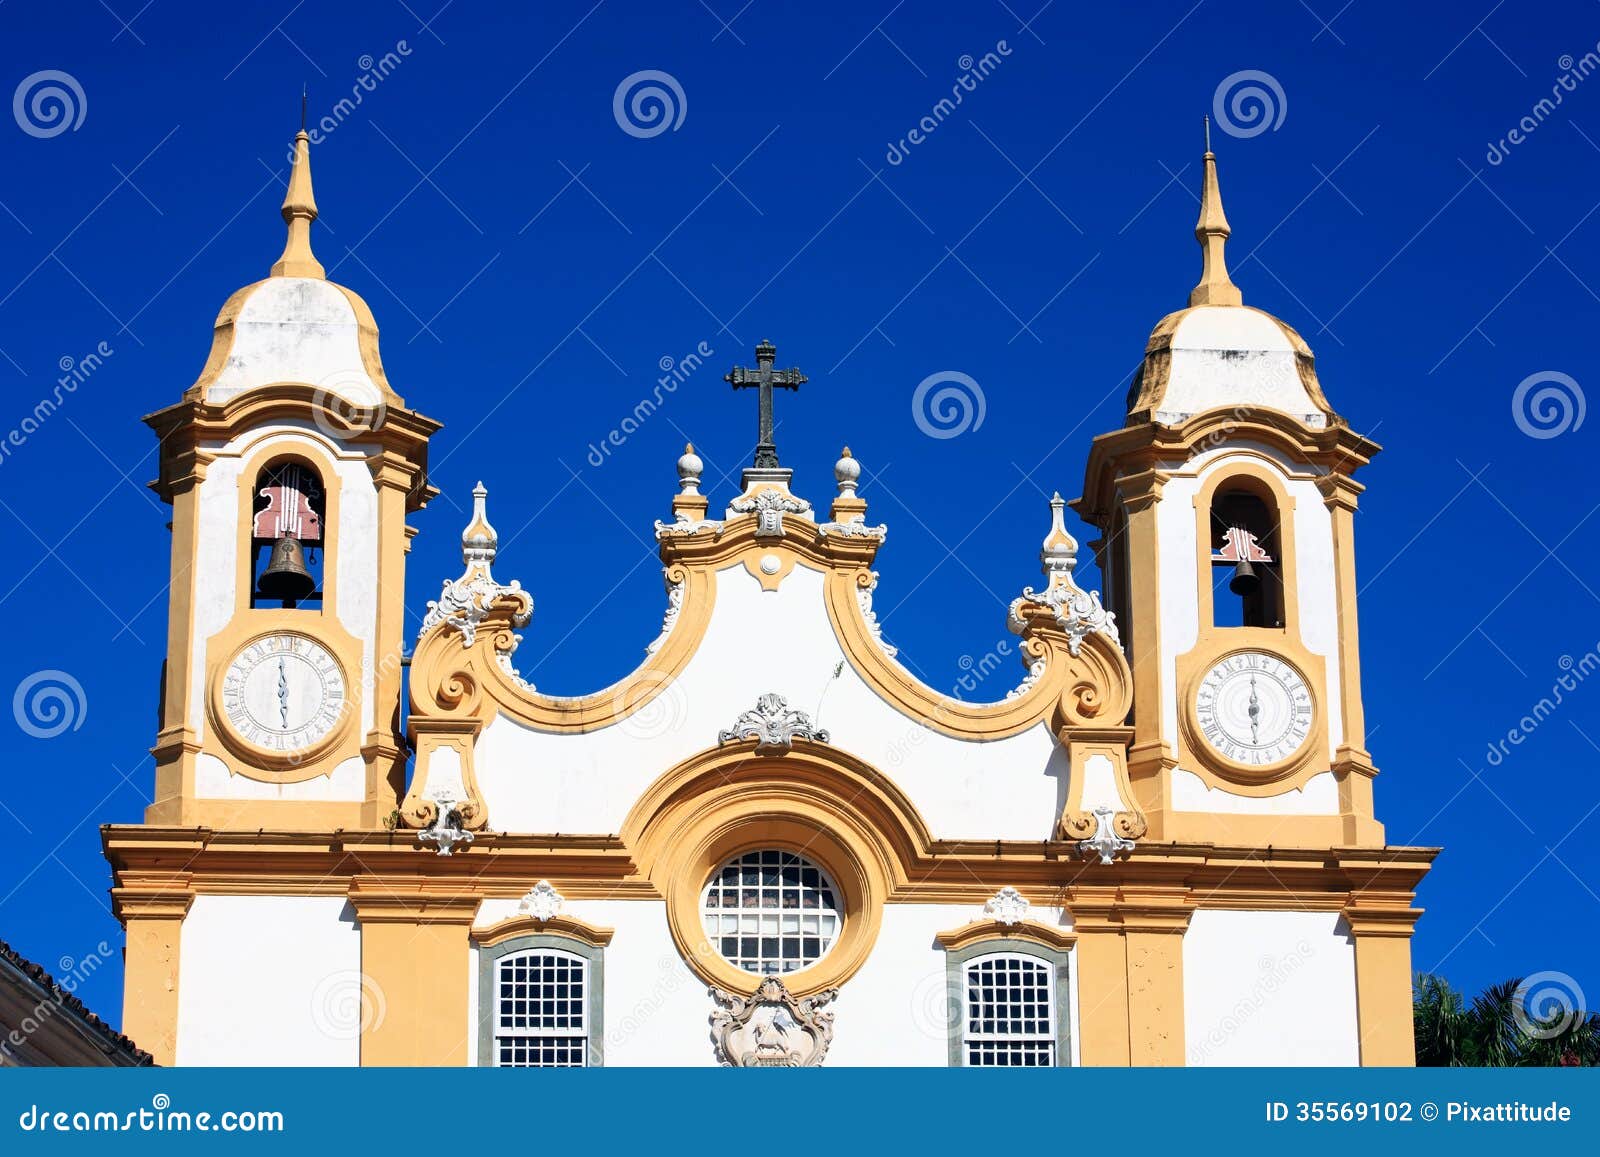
[558,925]
[1033,931]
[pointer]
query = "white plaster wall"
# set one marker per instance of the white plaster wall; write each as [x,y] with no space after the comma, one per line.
[215,566]
[778,641]
[213,780]
[269,980]
[1319,797]
[356,601]
[1269,988]
[1180,586]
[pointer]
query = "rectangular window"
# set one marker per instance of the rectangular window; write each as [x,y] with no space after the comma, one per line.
[1010,1013]
[541,1010]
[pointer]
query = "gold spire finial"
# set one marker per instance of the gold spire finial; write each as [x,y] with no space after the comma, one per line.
[299,210]
[1215,288]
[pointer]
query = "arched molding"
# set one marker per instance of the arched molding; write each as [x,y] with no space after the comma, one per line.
[816,801]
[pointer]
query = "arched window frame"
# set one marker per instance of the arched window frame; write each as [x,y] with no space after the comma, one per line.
[1265,481]
[252,478]
[1057,963]
[490,958]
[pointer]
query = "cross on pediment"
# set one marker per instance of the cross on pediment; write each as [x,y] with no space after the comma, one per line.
[765,379]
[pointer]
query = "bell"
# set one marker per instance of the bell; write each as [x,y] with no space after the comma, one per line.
[1244,583]
[286,577]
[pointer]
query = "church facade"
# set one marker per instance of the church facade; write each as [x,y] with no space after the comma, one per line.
[1158,847]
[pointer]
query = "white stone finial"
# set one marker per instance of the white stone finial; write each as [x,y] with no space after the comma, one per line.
[689,469]
[847,472]
[1059,554]
[479,542]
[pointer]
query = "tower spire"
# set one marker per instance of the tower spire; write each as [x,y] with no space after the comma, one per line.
[1215,288]
[299,210]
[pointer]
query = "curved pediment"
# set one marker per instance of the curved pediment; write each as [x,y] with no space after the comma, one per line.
[765,602]
[464,664]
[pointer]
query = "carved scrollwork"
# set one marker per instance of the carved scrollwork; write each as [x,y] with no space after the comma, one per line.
[771,1029]
[1105,844]
[774,725]
[769,506]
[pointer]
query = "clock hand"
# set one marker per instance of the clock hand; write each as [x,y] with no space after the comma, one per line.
[283,693]
[1255,712]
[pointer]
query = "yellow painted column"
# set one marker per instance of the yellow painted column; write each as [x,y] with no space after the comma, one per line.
[1102,961]
[414,975]
[1383,981]
[1130,974]
[154,924]
[1150,758]
[1154,922]
[1352,764]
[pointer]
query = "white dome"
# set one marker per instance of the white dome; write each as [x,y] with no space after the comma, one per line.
[1222,357]
[296,329]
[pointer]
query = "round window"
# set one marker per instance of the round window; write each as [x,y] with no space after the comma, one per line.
[770,912]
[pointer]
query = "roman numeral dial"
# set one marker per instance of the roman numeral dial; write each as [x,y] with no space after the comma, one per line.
[283,693]
[1254,708]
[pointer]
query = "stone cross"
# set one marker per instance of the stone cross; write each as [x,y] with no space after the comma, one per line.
[765,379]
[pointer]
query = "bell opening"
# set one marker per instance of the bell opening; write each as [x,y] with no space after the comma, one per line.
[286,537]
[1247,576]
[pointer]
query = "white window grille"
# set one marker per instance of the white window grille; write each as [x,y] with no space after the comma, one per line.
[1010,1012]
[771,912]
[541,1010]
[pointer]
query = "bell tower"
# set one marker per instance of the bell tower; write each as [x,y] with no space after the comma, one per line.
[1225,505]
[291,466]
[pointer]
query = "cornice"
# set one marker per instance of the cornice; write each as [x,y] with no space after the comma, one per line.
[1121,455]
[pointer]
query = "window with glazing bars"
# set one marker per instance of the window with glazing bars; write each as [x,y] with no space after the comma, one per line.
[1010,1014]
[541,1013]
[771,911]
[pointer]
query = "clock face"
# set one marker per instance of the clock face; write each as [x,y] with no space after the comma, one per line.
[283,692]
[1254,708]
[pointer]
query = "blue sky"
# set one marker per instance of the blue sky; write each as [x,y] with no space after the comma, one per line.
[531,265]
